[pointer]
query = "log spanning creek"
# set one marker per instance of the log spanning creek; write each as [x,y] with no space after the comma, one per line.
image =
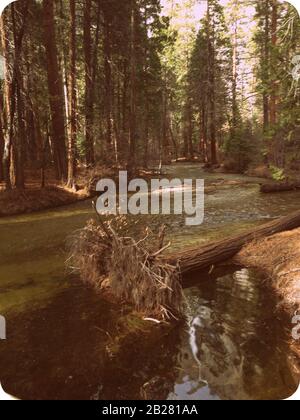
[66,342]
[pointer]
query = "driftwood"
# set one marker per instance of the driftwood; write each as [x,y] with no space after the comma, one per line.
[275,187]
[204,257]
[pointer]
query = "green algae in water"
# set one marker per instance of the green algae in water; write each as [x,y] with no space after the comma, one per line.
[33,255]
[27,284]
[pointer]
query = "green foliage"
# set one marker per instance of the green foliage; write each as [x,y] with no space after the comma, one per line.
[212,35]
[240,145]
[275,78]
[278,174]
[184,77]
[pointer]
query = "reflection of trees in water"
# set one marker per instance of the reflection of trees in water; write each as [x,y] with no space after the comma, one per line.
[71,348]
[235,342]
[63,351]
[145,366]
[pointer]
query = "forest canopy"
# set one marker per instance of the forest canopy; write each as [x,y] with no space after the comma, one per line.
[133,83]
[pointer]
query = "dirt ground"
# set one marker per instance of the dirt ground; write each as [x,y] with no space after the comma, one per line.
[54,194]
[279,258]
[15,202]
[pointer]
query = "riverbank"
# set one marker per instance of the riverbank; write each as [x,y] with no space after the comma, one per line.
[53,194]
[277,175]
[35,198]
[279,258]
[17,202]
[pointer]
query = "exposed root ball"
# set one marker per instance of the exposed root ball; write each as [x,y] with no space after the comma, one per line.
[90,254]
[135,271]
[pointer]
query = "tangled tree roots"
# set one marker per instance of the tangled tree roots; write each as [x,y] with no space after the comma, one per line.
[90,254]
[134,268]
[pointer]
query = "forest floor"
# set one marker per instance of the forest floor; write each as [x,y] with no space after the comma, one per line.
[35,199]
[279,258]
[55,194]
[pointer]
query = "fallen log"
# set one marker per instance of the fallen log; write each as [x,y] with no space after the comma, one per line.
[201,258]
[275,187]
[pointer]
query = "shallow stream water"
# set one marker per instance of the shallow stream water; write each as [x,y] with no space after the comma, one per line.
[66,342]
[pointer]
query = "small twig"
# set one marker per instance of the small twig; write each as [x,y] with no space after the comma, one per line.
[161,236]
[114,234]
[289,272]
[101,221]
[142,240]
[152,320]
[161,250]
[211,269]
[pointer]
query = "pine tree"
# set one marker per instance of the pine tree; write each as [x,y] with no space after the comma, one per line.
[55,86]
[209,73]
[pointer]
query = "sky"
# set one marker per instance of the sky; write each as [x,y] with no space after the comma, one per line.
[199,9]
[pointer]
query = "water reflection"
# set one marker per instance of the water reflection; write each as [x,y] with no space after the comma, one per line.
[233,346]
[81,347]
[236,343]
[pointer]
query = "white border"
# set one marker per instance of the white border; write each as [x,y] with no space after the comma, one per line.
[4,4]
[296,4]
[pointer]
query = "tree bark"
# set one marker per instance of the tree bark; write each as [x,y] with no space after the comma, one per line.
[175,145]
[108,88]
[266,58]
[273,98]
[6,158]
[55,86]
[132,118]
[272,188]
[235,73]
[11,89]
[146,144]
[165,137]
[2,142]
[190,130]
[201,258]
[89,85]
[212,87]
[203,129]
[73,97]
[19,153]
[20,140]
